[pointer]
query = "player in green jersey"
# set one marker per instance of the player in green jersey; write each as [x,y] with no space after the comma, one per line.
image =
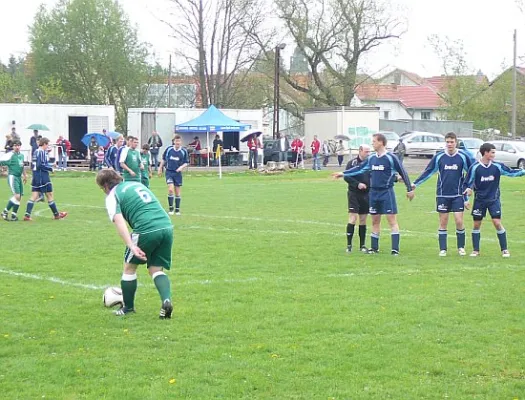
[150,241]
[16,177]
[130,161]
[146,161]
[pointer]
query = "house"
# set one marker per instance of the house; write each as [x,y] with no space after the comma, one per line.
[405,95]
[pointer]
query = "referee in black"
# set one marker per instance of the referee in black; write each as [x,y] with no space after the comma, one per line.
[358,188]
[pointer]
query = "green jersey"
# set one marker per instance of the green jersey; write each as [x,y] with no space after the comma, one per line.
[139,207]
[146,161]
[131,157]
[15,164]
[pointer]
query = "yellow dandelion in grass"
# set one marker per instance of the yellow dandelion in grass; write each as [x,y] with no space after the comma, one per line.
[173,381]
[52,332]
[51,297]
[126,330]
[6,335]
[275,355]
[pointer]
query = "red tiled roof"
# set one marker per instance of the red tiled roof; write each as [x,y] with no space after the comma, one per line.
[409,96]
[440,82]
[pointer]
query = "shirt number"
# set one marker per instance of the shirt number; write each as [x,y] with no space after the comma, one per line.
[145,196]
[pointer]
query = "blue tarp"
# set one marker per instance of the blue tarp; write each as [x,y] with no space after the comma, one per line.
[212,120]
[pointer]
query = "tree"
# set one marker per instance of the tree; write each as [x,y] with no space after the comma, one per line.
[334,35]
[213,40]
[85,51]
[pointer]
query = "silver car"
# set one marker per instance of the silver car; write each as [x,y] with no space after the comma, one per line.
[510,153]
[423,143]
[392,140]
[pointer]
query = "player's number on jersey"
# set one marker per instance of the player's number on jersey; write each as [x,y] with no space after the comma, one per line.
[145,196]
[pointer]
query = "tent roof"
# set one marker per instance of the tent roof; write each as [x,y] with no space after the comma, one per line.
[212,120]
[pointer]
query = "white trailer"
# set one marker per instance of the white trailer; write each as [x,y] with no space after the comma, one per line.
[143,121]
[70,121]
[326,123]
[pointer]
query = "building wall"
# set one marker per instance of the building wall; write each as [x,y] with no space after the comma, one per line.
[461,128]
[55,117]
[394,108]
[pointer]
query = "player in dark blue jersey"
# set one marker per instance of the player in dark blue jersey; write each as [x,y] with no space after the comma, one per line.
[175,159]
[451,165]
[125,143]
[383,167]
[41,183]
[483,179]
[111,154]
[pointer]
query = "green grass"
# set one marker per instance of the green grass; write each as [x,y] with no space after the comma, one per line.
[268,304]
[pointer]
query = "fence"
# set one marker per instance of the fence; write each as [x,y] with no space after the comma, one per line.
[461,128]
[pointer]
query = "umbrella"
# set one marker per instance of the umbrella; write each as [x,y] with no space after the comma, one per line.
[38,127]
[249,135]
[341,137]
[101,139]
[113,135]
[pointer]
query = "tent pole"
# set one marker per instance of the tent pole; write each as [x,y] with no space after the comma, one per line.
[208,147]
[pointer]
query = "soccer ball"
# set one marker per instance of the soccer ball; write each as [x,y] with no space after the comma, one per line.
[113,297]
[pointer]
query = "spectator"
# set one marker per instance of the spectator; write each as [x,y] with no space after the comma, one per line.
[34,142]
[8,143]
[254,144]
[15,136]
[297,151]
[216,143]
[155,143]
[315,146]
[100,157]
[284,146]
[63,147]
[92,150]
[340,151]
[196,147]
[105,133]
[400,150]
[326,153]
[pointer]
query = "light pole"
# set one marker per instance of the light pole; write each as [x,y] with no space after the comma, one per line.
[276,90]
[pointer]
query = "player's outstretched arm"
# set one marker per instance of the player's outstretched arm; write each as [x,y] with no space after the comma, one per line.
[430,170]
[122,229]
[506,171]
[358,169]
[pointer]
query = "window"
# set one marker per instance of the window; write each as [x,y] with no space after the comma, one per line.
[426,114]
[416,139]
[506,147]
[386,114]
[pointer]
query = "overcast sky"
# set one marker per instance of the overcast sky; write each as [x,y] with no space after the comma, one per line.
[486,31]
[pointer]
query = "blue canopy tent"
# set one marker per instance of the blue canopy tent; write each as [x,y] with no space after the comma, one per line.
[211,120]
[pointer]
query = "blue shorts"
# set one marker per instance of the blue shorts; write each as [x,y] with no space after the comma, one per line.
[480,207]
[383,202]
[174,178]
[450,204]
[41,184]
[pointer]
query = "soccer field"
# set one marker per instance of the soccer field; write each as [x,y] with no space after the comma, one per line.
[268,305]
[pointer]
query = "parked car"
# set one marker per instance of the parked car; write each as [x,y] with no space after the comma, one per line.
[392,139]
[423,143]
[471,145]
[271,151]
[510,153]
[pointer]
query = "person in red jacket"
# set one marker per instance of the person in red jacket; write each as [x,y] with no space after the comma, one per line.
[316,146]
[63,148]
[297,151]
[254,144]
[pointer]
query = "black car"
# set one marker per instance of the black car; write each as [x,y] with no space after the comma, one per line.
[271,151]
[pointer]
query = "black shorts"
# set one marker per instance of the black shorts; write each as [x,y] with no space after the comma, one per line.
[358,202]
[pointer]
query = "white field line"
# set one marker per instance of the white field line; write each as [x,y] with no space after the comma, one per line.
[405,233]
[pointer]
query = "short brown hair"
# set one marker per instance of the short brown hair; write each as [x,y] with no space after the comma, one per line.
[43,141]
[451,135]
[145,146]
[109,178]
[380,138]
[177,137]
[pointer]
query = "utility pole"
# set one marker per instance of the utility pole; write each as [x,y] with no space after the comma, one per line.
[169,84]
[514,82]
[276,90]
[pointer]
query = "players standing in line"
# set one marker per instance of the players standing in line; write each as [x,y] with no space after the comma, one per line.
[483,179]
[151,239]
[145,156]
[452,164]
[175,159]
[41,183]
[16,178]
[358,205]
[130,161]
[383,167]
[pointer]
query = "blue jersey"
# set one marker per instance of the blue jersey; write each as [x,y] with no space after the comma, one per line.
[174,158]
[40,163]
[111,156]
[382,169]
[451,169]
[117,158]
[484,179]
